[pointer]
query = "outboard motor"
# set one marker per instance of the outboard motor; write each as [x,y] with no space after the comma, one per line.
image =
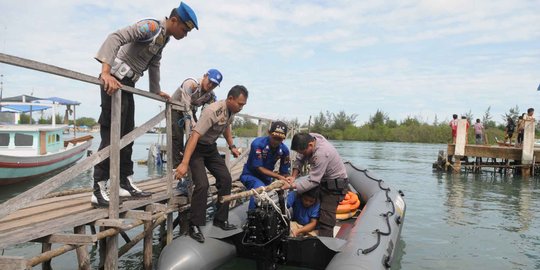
[266,233]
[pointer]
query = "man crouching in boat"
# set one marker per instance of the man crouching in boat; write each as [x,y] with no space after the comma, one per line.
[263,155]
[327,171]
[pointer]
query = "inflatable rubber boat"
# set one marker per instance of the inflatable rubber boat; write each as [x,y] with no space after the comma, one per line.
[368,241]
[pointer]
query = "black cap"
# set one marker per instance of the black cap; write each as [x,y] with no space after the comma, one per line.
[279,129]
[300,141]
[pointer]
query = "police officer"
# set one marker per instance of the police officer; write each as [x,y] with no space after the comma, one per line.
[326,170]
[202,153]
[263,155]
[124,56]
[193,93]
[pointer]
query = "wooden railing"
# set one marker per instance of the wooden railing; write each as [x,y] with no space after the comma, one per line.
[112,151]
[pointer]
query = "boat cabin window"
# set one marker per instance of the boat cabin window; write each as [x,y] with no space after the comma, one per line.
[57,137]
[23,139]
[4,139]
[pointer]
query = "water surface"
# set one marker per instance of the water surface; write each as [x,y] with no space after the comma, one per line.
[463,221]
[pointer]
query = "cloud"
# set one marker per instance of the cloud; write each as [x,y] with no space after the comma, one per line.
[413,57]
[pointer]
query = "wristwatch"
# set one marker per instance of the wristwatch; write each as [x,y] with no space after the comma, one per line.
[232,146]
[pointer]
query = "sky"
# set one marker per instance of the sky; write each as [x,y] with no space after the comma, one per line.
[414,58]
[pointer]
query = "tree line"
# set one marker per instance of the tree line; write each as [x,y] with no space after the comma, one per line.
[379,127]
[342,126]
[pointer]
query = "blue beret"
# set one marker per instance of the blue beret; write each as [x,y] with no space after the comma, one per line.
[215,76]
[187,15]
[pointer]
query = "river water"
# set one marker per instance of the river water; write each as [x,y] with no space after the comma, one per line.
[463,221]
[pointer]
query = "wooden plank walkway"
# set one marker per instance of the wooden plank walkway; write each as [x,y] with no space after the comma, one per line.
[492,151]
[57,215]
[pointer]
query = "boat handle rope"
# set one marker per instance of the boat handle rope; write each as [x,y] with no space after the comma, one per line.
[386,215]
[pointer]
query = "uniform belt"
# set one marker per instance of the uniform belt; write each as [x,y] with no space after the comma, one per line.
[335,184]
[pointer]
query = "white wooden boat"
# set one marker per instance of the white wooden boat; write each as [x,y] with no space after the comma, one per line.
[30,151]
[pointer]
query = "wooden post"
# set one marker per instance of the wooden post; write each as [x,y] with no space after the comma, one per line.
[461,137]
[111,257]
[170,228]
[527,153]
[168,124]
[259,128]
[46,265]
[457,164]
[147,247]
[82,251]
[163,234]
[102,250]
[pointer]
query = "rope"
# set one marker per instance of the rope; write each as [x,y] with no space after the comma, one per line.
[263,196]
[182,121]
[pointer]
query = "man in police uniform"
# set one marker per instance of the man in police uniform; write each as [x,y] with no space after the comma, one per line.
[201,151]
[326,170]
[193,93]
[263,155]
[124,56]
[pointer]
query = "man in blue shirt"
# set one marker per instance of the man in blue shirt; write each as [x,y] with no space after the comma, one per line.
[263,155]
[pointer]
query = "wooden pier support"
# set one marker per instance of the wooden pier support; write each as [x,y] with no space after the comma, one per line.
[147,246]
[82,251]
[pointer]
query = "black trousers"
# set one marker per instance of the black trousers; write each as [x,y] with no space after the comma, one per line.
[177,137]
[207,156]
[327,214]
[127,124]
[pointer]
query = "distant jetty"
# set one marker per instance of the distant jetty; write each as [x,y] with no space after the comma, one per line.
[500,158]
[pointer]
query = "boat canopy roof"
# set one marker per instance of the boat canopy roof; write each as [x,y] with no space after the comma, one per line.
[30,101]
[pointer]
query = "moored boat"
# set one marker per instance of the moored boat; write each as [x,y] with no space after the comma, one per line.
[369,241]
[31,151]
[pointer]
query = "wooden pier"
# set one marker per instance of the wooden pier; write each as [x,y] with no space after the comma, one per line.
[461,156]
[38,215]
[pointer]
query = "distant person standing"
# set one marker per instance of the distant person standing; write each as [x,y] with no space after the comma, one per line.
[453,125]
[530,115]
[478,132]
[509,130]
[520,129]
[124,56]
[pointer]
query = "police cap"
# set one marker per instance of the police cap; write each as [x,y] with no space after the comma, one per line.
[214,76]
[187,15]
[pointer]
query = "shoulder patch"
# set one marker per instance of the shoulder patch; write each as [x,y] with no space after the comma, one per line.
[148,28]
[219,111]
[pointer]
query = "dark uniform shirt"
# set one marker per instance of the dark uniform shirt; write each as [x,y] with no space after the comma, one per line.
[261,155]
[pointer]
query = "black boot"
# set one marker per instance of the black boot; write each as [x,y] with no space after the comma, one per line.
[128,189]
[195,233]
[100,196]
[224,225]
